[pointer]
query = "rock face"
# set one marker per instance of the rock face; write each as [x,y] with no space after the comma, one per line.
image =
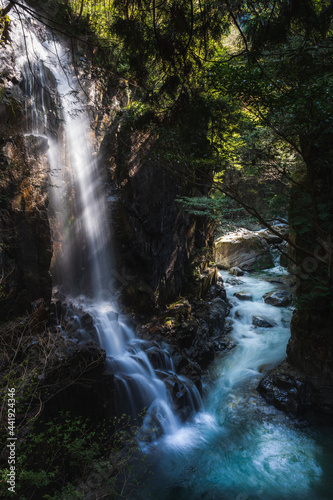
[307,378]
[310,349]
[155,239]
[244,249]
[278,299]
[25,237]
[292,390]
[26,246]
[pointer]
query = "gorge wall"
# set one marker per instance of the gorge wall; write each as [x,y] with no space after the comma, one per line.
[25,237]
[155,240]
[304,383]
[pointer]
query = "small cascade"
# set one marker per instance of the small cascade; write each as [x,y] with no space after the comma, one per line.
[56,108]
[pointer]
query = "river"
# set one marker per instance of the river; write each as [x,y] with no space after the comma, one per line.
[239,447]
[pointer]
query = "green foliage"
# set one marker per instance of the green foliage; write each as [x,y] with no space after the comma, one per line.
[227,214]
[57,457]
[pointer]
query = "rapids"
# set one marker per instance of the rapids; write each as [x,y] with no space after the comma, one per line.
[238,447]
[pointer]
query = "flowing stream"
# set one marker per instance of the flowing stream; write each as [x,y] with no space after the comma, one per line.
[236,446]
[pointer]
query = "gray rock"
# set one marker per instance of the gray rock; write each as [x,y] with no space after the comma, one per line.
[243,249]
[228,325]
[261,322]
[278,299]
[217,313]
[236,271]
[271,237]
[234,281]
[243,295]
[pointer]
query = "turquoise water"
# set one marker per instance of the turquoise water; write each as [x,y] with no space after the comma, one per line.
[239,447]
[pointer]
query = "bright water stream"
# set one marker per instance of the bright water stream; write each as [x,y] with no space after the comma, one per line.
[238,447]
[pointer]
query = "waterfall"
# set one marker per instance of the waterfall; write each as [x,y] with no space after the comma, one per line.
[56,108]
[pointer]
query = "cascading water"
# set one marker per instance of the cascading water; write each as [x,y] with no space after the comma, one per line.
[240,448]
[56,109]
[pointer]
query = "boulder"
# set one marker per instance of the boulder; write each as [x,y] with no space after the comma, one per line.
[236,271]
[243,249]
[261,322]
[286,389]
[278,299]
[243,296]
[271,237]
[234,281]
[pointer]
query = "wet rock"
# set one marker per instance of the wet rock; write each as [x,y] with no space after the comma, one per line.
[229,325]
[234,281]
[204,282]
[261,322]
[310,350]
[159,358]
[181,392]
[216,316]
[189,368]
[236,271]
[217,290]
[244,249]
[243,296]
[206,355]
[194,332]
[73,325]
[113,316]
[87,320]
[278,299]
[286,389]
[180,310]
